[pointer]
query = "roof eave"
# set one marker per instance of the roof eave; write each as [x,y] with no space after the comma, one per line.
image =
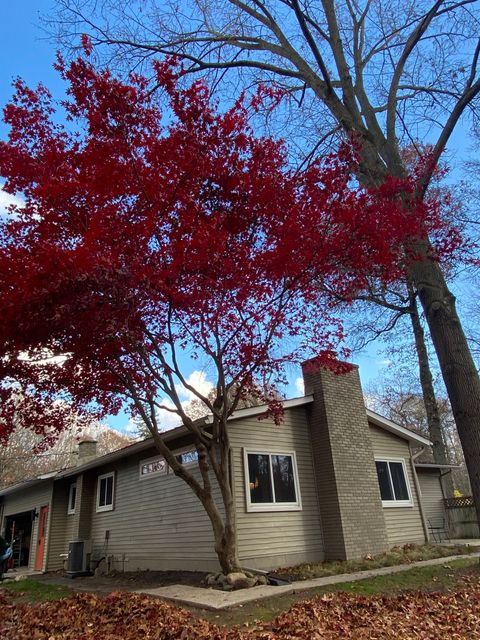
[396,429]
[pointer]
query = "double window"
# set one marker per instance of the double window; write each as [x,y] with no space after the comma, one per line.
[105,491]
[393,483]
[158,466]
[271,481]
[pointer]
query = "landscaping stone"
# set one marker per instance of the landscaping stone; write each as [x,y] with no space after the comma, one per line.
[235,580]
[244,583]
[232,578]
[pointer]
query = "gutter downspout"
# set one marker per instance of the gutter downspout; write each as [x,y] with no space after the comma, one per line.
[413,457]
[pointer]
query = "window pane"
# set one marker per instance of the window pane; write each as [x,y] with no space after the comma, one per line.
[259,478]
[188,457]
[101,493]
[109,490]
[283,479]
[398,479]
[154,466]
[384,481]
[105,494]
[73,497]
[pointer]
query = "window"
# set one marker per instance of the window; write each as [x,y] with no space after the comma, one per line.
[187,457]
[72,498]
[271,481]
[152,467]
[393,483]
[105,490]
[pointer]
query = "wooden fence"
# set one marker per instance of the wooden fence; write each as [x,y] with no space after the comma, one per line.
[461,518]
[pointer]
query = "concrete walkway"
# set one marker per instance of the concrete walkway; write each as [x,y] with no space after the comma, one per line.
[20,573]
[217,600]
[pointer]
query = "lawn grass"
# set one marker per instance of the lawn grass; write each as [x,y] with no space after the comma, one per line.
[398,555]
[28,590]
[443,577]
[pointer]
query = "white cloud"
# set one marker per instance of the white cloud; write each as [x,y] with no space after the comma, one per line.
[300,386]
[170,419]
[198,380]
[6,200]
[383,363]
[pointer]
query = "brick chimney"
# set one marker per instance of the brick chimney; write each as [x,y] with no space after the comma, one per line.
[350,504]
[87,450]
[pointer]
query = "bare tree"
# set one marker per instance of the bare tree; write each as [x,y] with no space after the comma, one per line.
[399,398]
[24,457]
[386,73]
[392,305]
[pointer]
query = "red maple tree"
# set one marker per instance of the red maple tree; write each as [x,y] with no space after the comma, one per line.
[147,234]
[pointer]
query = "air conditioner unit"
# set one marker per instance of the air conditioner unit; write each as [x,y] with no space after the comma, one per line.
[78,562]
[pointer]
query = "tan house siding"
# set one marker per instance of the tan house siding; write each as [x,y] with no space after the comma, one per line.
[275,538]
[404,524]
[27,500]
[156,523]
[61,529]
[432,495]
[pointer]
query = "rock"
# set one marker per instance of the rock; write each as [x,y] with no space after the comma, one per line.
[249,574]
[244,583]
[227,587]
[261,579]
[233,577]
[211,581]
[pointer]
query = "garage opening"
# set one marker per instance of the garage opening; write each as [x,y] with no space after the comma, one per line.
[19,527]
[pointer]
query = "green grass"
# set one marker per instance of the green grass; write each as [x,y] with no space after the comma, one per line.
[398,555]
[28,590]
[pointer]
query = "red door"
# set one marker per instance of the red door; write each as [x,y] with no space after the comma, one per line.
[42,526]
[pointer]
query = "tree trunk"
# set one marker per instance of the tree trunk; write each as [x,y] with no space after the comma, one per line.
[226,550]
[456,363]
[435,430]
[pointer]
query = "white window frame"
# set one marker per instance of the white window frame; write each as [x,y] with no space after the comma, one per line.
[70,509]
[396,503]
[106,507]
[271,506]
[152,474]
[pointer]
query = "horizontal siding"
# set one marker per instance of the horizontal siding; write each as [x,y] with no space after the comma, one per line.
[404,524]
[432,496]
[276,538]
[156,523]
[27,500]
[61,530]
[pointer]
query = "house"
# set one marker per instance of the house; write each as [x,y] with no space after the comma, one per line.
[333,481]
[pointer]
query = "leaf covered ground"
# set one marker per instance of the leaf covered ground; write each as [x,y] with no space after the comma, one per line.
[413,615]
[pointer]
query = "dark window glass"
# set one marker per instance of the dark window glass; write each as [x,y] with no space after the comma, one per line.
[73,497]
[259,478]
[398,479]
[384,481]
[106,492]
[283,480]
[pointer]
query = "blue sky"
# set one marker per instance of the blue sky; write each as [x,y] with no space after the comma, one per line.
[27,52]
